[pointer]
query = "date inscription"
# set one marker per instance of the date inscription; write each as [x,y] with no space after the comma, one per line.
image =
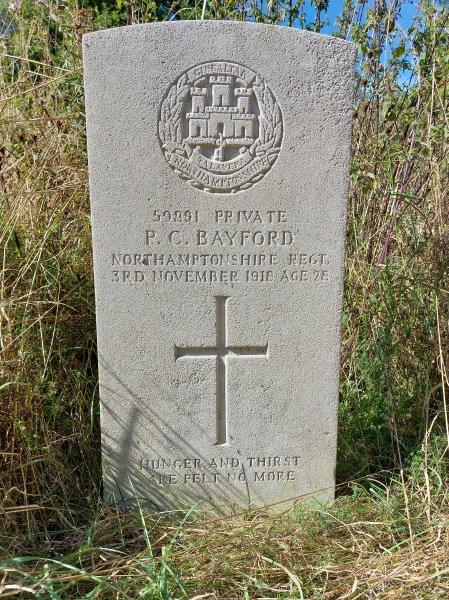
[226,247]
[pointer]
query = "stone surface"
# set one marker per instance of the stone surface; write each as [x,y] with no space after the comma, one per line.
[218,160]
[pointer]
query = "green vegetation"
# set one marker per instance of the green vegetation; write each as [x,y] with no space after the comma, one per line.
[387,535]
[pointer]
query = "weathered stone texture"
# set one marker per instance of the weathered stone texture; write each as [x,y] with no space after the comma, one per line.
[218,160]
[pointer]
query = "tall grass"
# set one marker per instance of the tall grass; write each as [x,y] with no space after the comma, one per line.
[387,534]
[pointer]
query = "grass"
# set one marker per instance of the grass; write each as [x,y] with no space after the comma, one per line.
[377,542]
[386,536]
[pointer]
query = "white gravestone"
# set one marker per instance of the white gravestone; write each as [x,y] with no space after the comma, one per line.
[218,160]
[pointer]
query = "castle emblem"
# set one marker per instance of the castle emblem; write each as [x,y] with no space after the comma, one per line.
[220,127]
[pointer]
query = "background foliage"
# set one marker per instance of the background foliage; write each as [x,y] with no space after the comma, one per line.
[387,533]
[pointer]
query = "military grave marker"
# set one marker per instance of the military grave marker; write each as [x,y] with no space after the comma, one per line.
[218,164]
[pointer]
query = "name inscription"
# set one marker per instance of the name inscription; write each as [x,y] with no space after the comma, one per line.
[245,246]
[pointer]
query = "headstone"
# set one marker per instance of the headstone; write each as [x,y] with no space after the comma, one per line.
[218,160]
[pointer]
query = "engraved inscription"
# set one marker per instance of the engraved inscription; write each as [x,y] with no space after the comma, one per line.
[230,469]
[222,352]
[220,127]
[226,247]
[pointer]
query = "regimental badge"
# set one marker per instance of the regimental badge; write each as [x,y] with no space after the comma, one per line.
[220,127]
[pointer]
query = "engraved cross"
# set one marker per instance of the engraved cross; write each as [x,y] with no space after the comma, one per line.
[222,352]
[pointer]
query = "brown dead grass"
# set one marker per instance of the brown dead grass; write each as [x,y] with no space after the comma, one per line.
[385,537]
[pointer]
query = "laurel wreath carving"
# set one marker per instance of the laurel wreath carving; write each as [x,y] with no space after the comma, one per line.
[170,132]
[267,144]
